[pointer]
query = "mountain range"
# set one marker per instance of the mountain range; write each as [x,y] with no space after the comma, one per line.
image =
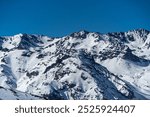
[80,66]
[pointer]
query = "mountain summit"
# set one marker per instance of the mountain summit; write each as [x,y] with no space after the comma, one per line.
[82,65]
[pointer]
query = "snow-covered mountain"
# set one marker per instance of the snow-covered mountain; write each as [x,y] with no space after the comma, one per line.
[82,65]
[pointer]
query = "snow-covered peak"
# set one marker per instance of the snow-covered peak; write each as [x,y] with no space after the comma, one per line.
[140,30]
[24,41]
[18,35]
[11,42]
[81,34]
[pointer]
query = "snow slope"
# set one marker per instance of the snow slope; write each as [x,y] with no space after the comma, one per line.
[9,94]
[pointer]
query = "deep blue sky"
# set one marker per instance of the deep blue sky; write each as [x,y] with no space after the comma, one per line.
[61,17]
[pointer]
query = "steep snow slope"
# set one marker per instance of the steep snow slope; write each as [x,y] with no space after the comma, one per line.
[9,94]
[83,65]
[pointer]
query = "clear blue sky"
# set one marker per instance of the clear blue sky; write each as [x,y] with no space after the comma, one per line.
[62,17]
